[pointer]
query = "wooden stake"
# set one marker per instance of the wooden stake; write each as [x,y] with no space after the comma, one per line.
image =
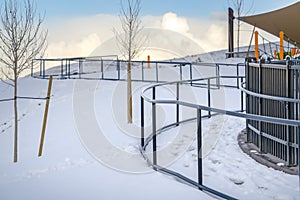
[148,62]
[281,55]
[45,117]
[256,45]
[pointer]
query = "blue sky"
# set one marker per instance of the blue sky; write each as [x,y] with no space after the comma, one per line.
[187,8]
[77,28]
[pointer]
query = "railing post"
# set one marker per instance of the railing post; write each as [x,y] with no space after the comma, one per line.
[218,75]
[142,123]
[287,90]
[191,74]
[177,105]
[242,96]
[237,74]
[154,130]
[298,133]
[32,68]
[80,68]
[62,68]
[66,68]
[119,69]
[260,106]
[209,96]
[180,66]
[69,69]
[41,69]
[199,147]
[102,70]
[44,73]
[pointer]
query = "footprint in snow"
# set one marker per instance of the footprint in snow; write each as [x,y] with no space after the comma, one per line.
[237,181]
[216,162]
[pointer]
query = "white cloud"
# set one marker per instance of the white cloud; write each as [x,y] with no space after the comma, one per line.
[171,21]
[81,36]
[73,48]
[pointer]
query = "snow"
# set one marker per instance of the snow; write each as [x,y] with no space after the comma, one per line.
[91,152]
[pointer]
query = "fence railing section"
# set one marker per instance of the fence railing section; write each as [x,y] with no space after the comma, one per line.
[112,68]
[281,85]
[149,98]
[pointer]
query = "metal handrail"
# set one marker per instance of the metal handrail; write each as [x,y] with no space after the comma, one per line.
[199,108]
[264,96]
[222,111]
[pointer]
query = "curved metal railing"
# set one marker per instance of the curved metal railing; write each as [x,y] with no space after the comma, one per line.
[154,101]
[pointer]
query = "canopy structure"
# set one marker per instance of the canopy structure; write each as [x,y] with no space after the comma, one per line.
[286,19]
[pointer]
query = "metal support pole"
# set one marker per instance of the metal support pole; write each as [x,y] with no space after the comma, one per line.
[242,97]
[66,67]
[287,74]
[237,74]
[142,123]
[41,68]
[180,66]
[191,74]
[31,68]
[177,105]
[119,69]
[44,73]
[80,69]
[154,131]
[298,133]
[260,107]
[199,143]
[102,70]
[209,97]
[62,68]
[218,75]
[69,69]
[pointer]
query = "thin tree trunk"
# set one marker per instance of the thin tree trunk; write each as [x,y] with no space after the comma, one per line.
[129,93]
[238,38]
[16,120]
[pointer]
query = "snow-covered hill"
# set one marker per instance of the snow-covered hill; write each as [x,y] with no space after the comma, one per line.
[91,153]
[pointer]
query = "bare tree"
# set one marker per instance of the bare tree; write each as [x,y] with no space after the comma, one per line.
[21,40]
[239,6]
[130,42]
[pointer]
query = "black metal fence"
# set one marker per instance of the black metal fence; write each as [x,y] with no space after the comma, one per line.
[274,90]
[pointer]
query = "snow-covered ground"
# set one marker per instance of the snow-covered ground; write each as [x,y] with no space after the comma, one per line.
[91,153]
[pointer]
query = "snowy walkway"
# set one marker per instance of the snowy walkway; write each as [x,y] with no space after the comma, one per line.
[77,164]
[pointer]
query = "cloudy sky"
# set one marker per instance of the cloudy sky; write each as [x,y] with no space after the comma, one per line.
[78,28]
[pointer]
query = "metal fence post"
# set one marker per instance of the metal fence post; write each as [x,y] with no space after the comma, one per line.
[44,73]
[209,96]
[218,75]
[199,147]
[62,68]
[242,96]
[32,67]
[119,69]
[237,74]
[180,66]
[177,104]
[102,70]
[287,89]
[142,123]
[154,130]
[260,107]
[298,133]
